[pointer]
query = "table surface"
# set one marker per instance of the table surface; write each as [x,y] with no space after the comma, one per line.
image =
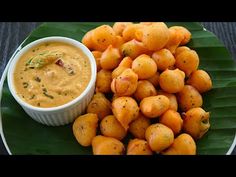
[13,33]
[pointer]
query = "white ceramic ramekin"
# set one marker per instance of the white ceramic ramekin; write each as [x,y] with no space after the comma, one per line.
[63,114]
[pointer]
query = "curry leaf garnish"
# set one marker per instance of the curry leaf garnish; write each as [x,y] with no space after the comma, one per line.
[32,97]
[47,95]
[45,92]
[25,84]
[43,59]
[37,79]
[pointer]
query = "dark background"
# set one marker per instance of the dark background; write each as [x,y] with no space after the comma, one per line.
[13,33]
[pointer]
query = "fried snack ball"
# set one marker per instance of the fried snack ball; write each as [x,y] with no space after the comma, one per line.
[103,82]
[187,61]
[201,80]
[118,42]
[124,64]
[154,106]
[111,127]
[119,27]
[180,50]
[182,145]
[102,37]
[155,36]
[184,32]
[110,58]
[196,122]
[144,66]
[144,89]
[87,40]
[164,59]
[189,98]
[85,128]
[116,72]
[97,55]
[126,110]
[159,137]
[99,105]
[174,40]
[102,145]
[133,49]
[138,126]
[154,79]
[138,147]
[173,120]
[172,81]
[147,23]
[125,84]
[139,34]
[172,98]
[129,32]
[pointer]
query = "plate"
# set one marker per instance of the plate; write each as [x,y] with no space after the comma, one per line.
[22,135]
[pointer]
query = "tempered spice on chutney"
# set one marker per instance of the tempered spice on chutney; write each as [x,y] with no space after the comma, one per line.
[51,74]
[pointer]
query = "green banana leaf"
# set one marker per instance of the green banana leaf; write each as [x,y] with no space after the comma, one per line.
[25,136]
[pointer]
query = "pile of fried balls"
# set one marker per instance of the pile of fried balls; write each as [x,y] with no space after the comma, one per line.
[149,86]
